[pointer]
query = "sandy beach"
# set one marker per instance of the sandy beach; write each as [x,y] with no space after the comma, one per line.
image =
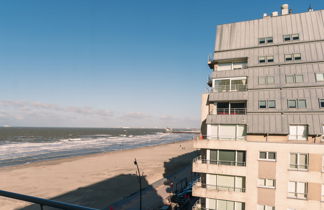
[96,180]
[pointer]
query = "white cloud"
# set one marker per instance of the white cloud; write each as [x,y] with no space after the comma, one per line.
[26,113]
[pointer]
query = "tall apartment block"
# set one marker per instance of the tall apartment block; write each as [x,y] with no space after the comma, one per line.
[262,143]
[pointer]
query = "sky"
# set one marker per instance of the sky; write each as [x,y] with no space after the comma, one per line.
[113,63]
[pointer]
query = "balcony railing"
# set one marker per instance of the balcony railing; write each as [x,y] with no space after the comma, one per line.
[198,183]
[298,167]
[229,88]
[231,111]
[199,159]
[220,138]
[297,195]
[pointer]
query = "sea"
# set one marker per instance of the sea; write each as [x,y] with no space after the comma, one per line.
[20,145]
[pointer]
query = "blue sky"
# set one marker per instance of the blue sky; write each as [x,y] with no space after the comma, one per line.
[104,63]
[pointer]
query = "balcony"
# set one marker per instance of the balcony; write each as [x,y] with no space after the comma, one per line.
[232,111]
[199,159]
[202,190]
[227,64]
[229,88]
[199,184]
[202,165]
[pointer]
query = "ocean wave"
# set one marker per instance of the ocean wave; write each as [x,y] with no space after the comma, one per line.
[17,153]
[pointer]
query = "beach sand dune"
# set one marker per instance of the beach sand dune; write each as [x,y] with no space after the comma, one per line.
[96,180]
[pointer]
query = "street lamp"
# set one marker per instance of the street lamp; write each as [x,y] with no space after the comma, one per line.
[140,182]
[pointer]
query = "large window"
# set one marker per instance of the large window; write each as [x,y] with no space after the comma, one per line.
[227,157]
[298,161]
[297,190]
[226,132]
[230,84]
[225,66]
[225,182]
[298,132]
[224,204]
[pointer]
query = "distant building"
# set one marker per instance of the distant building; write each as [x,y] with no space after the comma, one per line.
[263,120]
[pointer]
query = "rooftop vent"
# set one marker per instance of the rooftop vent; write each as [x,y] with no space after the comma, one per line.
[284,9]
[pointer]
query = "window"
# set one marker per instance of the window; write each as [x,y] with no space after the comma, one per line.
[225,182]
[269,183]
[267,104]
[262,104]
[297,132]
[262,59]
[290,37]
[226,132]
[288,57]
[297,103]
[271,104]
[299,78]
[265,40]
[322,193]
[224,204]
[292,104]
[269,40]
[294,78]
[267,156]
[262,41]
[297,190]
[295,36]
[286,38]
[266,80]
[301,103]
[298,161]
[265,207]
[270,59]
[319,77]
[321,103]
[227,157]
[295,57]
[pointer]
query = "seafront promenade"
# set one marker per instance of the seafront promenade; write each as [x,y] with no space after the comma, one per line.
[97,180]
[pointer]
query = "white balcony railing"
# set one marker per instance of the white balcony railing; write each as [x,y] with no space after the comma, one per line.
[199,159]
[198,183]
[229,88]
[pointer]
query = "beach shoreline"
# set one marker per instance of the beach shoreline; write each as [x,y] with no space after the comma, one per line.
[53,178]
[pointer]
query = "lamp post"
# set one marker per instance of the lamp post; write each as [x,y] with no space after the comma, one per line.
[140,182]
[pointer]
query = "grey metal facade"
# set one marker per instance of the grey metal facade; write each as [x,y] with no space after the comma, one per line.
[241,40]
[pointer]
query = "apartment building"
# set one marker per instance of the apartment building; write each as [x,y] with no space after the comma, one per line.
[262,143]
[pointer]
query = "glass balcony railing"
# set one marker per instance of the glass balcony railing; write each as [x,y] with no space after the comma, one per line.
[229,88]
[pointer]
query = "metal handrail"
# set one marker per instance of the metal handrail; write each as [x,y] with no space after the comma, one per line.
[203,137]
[231,111]
[218,162]
[298,167]
[44,202]
[229,88]
[198,183]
